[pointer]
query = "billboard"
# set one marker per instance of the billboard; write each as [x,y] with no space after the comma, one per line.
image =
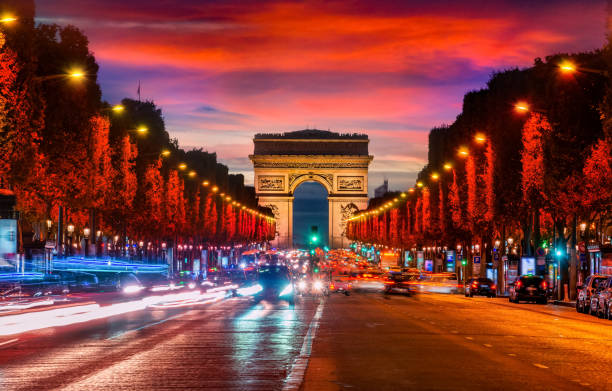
[8,242]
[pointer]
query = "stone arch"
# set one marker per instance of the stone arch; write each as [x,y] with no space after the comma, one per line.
[324,179]
[339,162]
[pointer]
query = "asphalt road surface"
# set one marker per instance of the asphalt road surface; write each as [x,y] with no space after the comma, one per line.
[366,341]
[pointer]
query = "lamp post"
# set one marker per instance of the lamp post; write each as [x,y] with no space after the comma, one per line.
[70,229]
[86,232]
[49,225]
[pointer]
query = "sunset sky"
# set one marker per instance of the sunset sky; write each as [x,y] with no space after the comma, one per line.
[224,70]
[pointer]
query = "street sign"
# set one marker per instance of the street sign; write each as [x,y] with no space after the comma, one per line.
[477,259]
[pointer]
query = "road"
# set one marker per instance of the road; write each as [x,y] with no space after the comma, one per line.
[362,342]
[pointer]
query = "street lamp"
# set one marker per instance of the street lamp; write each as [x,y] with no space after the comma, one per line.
[118,108]
[70,229]
[463,152]
[142,129]
[522,107]
[182,166]
[448,166]
[7,19]
[435,176]
[165,153]
[480,138]
[86,232]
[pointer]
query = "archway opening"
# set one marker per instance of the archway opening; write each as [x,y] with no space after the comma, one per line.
[310,208]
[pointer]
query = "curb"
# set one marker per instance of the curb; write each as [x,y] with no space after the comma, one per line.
[571,304]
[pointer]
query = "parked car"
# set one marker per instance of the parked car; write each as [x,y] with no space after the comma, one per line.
[529,288]
[480,286]
[586,290]
[601,298]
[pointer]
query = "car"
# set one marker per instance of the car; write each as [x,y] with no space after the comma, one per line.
[400,283]
[340,285]
[529,288]
[480,286]
[275,284]
[585,290]
[601,298]
[156,282]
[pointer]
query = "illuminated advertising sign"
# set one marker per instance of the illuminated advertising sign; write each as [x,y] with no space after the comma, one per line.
[8,242]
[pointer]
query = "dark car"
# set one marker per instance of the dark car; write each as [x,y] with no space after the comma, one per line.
[529,288]
[400,283]
[156,282]
[480,286]
[601,298]
[276,284]
[586,290]
[78,281]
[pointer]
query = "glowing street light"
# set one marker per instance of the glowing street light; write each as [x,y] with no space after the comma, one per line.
[76,74]
[480,138]
[118,108]
[448,166]
[435,176]
[205,183]
[522,107]
[463,152]
[7,19]
[142,129]
[215,189]
[182,166]
[165,153]
[192,174]
[567,67]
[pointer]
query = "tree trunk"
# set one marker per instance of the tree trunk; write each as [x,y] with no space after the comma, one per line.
[573,263]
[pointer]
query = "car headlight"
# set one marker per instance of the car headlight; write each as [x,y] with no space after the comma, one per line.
[191,285]
[249,290]
[288,289]
[302,285]
[318,285]
[131,289]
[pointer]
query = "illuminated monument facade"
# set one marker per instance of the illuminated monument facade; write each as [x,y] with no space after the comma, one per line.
[339,162]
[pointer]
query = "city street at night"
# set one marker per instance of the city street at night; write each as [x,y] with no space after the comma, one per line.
[364,341]
[305,195]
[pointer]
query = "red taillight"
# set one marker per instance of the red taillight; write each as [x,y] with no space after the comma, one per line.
[332,286]
[518,284]
[544,285]
[492,286]
[474,285]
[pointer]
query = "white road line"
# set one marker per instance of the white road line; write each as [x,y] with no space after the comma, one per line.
[9,341]
[470,338]
[121,333]
[488,345]
[298,369]
[512,354]
[540,366]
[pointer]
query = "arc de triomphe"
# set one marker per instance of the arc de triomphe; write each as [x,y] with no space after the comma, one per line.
[339,162]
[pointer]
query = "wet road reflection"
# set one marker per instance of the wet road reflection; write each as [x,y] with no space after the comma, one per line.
[224,344]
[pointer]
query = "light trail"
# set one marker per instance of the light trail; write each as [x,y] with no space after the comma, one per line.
[56,317]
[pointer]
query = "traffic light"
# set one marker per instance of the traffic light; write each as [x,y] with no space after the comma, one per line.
[314,234]
[463,262]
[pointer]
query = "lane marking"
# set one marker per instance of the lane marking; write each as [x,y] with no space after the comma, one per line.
[9,341]
[121,333]
[488,345]
[512,354]
[298,369]
[540,366]
[470,338]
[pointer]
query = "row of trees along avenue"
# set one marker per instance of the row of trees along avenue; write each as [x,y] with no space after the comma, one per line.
[110,171]
[525,167]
